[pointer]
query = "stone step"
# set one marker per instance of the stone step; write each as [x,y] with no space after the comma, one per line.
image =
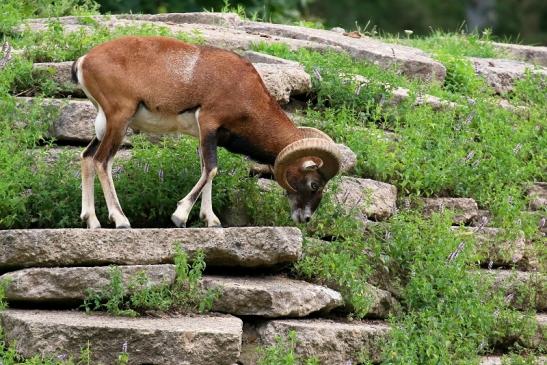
[330,341]
[244,247]
[465,209]
[282,79]
[266,296]
[502,74]
[492,248]
[537,193]
[497,360]
[189,340]
[522,290]
[241,35]
[531,54]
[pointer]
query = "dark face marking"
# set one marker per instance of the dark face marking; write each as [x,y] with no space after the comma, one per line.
[309,187]
[243,146]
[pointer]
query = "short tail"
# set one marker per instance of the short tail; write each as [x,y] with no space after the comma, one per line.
[75,71]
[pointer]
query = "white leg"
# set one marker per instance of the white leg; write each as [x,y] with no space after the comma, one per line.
[88,202]
[115,213]
[184,206]
[206,212]
[88,177]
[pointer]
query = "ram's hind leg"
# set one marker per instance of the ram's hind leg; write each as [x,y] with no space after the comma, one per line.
[88,177]
[116,124]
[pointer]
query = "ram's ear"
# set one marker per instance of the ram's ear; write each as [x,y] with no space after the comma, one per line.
[309,165]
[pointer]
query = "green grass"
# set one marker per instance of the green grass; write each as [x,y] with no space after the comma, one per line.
[477,150]
[138,295]
[283,352]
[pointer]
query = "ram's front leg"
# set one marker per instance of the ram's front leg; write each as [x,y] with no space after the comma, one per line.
[208,155]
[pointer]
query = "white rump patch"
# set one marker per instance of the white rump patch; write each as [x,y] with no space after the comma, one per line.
[100,124]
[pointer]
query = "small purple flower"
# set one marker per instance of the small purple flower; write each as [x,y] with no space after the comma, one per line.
[124,347]
[456,252]
[317,74]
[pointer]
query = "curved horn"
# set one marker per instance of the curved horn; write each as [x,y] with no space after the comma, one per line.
[308,132]
[315,147]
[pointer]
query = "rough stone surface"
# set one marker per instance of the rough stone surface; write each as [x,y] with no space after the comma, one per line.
[523,290]
[465,209]
[176,340]
[229,32]
[399,95]
[223,19]
[284,80]
[61,284]
[61,73]
[271,296]
[332,342]
[530,54]
[75,122]
[537,194]
[247,247]
[369,198]
[493,248]
[497,360]
[411,61]
[502,74]
[257,57]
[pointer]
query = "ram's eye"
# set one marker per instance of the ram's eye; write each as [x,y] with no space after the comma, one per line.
[314,186]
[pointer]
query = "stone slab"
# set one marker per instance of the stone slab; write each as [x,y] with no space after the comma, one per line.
[523,290]
[229,32]
[537,194]
[531,54]
[271,296]
[190,340]
[245,247]
[367,198]
[266,296]
[502,74]
[465,209]
[70,284]
[411,61]
[332,342]
[492,248]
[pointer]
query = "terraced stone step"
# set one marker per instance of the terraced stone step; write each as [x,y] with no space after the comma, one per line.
[267,296]
[216,30]
[493,248]
[332,342]
[531,54]
[245,247]
[502,74]
[180,340]
[282,79]
[497,360]
[523,290]
[465,209]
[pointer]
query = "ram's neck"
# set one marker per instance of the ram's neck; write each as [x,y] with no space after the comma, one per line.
[261,137]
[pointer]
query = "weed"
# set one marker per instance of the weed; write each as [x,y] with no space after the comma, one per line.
[283,352]
[4,283]
[140,295]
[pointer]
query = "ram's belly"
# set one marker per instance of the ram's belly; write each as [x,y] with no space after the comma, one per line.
[149,122]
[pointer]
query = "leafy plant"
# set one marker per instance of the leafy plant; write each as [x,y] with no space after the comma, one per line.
[283,352]
[140,295]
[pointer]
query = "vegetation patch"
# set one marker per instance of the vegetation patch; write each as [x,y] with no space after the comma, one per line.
[139,296]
